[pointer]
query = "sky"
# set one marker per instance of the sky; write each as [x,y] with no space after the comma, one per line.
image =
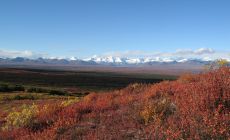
[127,28]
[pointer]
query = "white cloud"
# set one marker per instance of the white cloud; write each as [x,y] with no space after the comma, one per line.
[126,53]
[185,53]
[202,51]
[207,53]
[14,54]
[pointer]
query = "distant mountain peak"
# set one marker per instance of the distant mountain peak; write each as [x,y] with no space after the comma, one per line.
[106,60]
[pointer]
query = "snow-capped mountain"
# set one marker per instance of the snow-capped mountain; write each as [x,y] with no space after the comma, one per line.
[109,60]
[148,60]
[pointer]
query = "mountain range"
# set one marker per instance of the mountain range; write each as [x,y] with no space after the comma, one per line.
[110,60]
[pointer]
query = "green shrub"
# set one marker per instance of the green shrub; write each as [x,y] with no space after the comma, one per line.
[23,97]
[21,118]
[17,88]
[37,90]
[9,88]
[4,88]
[57,92]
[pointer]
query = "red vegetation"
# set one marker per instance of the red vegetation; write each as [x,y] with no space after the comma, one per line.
[193,107]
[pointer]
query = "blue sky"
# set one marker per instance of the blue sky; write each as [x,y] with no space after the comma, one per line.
[84,28]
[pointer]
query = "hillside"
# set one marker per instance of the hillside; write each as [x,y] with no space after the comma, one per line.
[192,107]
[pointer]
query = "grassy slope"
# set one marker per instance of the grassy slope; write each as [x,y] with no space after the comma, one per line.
[194,106]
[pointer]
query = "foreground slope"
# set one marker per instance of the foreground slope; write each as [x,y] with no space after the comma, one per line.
[194,106]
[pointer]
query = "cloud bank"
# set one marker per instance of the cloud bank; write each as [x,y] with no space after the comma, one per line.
[206,53]
[201,51]
[185,53]
[26,54]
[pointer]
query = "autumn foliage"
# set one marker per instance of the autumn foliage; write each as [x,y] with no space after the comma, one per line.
[193,107]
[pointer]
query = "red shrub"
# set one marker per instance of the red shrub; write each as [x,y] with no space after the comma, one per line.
[193,107]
